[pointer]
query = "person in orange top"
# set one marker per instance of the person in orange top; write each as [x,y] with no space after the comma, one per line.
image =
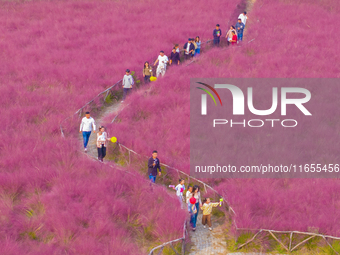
[207,208]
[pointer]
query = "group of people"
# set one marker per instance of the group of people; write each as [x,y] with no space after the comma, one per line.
[87,126]
[194,204]
[192,197]
[235,33]
[191,49]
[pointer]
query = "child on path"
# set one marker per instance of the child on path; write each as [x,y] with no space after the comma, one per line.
[87,125]
[234,38]
[179,191]
[207,208]
[127,83]
[188,195]
[217,35]
[101,143]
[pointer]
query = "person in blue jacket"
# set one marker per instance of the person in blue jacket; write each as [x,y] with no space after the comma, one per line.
[239,29]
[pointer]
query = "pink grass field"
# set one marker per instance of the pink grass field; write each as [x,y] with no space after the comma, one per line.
[291,41]
[56,56]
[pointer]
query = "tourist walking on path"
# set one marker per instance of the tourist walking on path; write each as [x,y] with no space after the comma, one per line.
[243,16]
[239,28]
[153,165]
[188,195]
[101,143]
[147,72]
[174,57]
[177,48]
[195,45]
[188,49]
[229,35]
[198,43]
[197,195]
[162,62]
[192,211]
[234,38]
[127,83]
[217,35]
[87,125]
[207,208]
[179,191]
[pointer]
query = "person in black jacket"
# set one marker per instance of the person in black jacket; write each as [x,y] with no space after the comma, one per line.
[153,165]
[217,35]
[174,57]
[189,48]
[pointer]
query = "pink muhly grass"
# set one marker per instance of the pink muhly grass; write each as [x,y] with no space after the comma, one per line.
[292,45]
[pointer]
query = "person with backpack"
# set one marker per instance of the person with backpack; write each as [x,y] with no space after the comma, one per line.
[87,125]
[179,191]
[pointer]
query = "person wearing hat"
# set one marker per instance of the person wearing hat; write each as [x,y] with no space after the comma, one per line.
[189,48]
[217,35]
[127,83]
[192,211]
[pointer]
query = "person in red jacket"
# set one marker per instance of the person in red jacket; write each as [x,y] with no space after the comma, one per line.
[234,38]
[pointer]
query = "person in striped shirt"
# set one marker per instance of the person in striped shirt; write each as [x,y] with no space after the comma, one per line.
[207,208]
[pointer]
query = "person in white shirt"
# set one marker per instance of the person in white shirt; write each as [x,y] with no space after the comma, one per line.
[243,17]
[101,143]
[87,125]
[162,62]
[179,191]
[127,83]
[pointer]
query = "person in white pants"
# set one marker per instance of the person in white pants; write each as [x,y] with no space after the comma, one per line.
[162,62]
